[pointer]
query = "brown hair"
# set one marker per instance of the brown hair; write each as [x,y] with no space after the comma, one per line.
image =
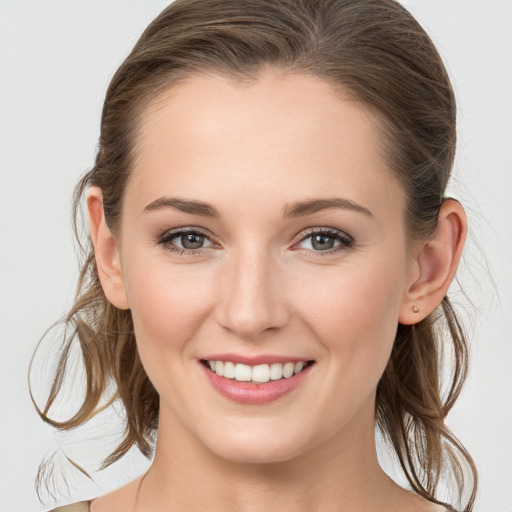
[373,50]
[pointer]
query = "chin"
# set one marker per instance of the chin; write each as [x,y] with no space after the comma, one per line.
[261,453]
[258,445]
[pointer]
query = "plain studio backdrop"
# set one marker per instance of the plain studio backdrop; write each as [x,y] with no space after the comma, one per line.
[56,58]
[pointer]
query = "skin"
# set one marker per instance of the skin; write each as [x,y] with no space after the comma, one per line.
[258,286]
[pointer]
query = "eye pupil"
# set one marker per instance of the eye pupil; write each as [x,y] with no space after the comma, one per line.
[192,240]
[322,242]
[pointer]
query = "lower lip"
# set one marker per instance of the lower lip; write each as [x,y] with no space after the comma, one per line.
[255,394]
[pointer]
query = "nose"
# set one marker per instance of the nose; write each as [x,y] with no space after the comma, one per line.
[252,300]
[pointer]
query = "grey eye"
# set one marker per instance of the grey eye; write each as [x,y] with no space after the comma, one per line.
[185,240]
[326,241]
[192,240]
[322,242]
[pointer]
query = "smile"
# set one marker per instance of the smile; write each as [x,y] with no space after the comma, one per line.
[259,374]
[258,383]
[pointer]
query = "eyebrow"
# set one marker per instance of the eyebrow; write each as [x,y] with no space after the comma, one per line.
[302,208]
[297,209]
[185,205]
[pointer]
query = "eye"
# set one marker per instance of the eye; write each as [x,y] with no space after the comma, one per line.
[185,240]
[191,240]
[326,240]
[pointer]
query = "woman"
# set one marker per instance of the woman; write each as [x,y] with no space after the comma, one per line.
[271,252]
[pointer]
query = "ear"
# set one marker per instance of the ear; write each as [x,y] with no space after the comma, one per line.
[434,263]
[106,251]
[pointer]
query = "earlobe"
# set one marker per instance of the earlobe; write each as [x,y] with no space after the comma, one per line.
[106,251]
[436,261]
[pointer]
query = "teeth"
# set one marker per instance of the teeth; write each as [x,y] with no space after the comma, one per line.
[243,372]
[276,371]
[298,367]
[260,373]
[288,370]
[229,370]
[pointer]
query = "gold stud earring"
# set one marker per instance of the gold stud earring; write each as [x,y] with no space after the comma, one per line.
[415,309]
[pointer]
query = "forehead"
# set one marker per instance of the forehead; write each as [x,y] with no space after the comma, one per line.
[280,137]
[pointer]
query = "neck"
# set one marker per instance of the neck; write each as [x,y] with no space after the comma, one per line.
[342,473]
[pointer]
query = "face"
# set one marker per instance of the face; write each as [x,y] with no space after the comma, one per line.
[262,235]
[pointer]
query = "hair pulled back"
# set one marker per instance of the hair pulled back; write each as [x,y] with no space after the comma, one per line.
[375,51]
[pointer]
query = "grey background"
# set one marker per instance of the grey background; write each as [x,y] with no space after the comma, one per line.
[56,58]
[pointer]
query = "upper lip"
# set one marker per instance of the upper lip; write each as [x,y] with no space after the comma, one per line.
[254,360]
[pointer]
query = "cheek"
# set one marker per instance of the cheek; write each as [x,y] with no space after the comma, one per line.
[355,317]
[354,296]
[168,304]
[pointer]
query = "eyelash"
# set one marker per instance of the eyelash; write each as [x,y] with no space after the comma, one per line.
[165,240]
[346,241]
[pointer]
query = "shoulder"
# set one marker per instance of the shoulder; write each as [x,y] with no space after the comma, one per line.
[82,506]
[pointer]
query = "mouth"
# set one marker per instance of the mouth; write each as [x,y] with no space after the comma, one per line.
[257,374]
[266,380]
